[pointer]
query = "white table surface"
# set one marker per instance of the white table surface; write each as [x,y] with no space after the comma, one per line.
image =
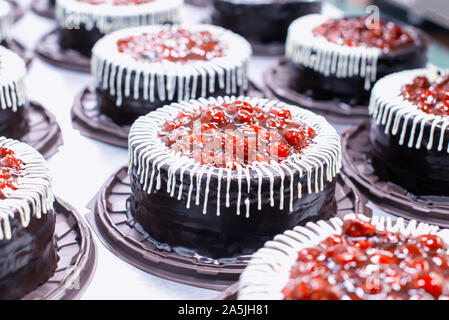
[82,165]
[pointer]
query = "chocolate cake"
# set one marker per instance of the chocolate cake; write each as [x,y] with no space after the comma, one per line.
[354,259]
[342,58]
[27,245]
[221,176]
[13,102]
[409,130]
[140,69]
[261,21]
[83,22]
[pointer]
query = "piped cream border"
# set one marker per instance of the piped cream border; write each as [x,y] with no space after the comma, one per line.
[109,68]
[147,154]
[401,117]
[34,196]
[268,271]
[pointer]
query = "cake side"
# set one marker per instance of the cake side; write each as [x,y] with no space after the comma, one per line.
[227,211]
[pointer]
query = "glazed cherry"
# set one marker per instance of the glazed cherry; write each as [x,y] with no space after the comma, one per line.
[10,171]
[432,98]
[376,264]
[356,32]
[235,134]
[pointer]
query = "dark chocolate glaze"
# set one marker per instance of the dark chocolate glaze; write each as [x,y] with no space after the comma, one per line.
[14,124]
[169,221]
[352,90]
[79,39]
[29,258]
[131,108]
[261,22]
[419,171]
[52,2]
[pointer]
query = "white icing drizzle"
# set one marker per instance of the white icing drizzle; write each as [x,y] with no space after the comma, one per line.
[34,195]
[230,69]
[327,58]
[390,109]
[147,154]
[5,19]
[107,18]
[12,80]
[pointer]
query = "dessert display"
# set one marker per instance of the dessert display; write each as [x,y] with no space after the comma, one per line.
[137,70]
[27,242]
[83,22]
[409,132]
[263,22]
[341,58]
[354,259]
[220,176]
[13,100]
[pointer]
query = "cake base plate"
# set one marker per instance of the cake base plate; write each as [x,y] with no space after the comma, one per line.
[21,50]
[386,195]
[17,10]
[86,118]
[77,257]
[44,133]
[230,293]
[43,8]
[278,80]
[120,235]
[49,50]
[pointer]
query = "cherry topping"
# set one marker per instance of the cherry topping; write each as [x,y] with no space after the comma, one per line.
[358,228]
[10,171]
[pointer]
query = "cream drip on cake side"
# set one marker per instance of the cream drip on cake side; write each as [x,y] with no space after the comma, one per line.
[34,195]
[328,58]
[399,116]
[109,68]
[109,18]
[147,153]
[12,80]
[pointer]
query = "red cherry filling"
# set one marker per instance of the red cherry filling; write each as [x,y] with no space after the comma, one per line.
[356,32]
[116,2]
[10,171]
[172,44]
[432,98]
[364,263]
[236,133]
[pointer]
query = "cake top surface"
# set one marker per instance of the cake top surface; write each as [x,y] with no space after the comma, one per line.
[116,2]
[117,7]
[237,133]
[177,45]
[25,185]
[429,96]
[366,263]
[364,32]
[162,46]
[12,67]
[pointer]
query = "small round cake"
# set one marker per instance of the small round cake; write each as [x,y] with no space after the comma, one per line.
[83,22]
[27,222]
[261,21]
[140,69]
[221,176]
[354,259]
[342,58]
[5,21]
[13,100]
[409,130]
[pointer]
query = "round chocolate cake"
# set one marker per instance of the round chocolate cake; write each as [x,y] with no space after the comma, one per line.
[13,100]
[27,222]
[140,69]
[342,58]
[84,22]
[409,130]
[221,176]
[261,21]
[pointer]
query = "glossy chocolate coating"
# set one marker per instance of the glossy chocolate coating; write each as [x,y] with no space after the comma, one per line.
[79,39]
[352,90]
[132,108]
[261,22]
[420,171]
[169,221]
[14,124]
[29,258]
